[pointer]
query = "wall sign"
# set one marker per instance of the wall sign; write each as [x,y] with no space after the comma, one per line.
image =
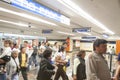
[47,31]
[39,9]
[84,29]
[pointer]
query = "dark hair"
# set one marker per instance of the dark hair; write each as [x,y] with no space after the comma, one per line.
[97,42]
[80,53]
[61,49]
[64,43]
[55,43]
[25,41]
[47,53]
[8,42]
[21,48]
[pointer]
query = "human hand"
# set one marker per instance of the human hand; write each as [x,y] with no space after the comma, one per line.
[2,61]
[74,77]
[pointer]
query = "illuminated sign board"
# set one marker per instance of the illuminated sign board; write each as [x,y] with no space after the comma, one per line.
[47,31]
[32,6]
[84,29]
[105,35]
[89,37]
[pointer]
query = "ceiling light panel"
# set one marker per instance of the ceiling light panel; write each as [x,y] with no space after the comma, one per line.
[26,16]
[79,11]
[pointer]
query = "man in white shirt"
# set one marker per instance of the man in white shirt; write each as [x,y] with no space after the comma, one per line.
[96,65]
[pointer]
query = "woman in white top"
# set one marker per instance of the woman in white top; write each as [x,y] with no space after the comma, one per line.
[5,53]
[61,62]
[79,66]
[55,50]
[13,67]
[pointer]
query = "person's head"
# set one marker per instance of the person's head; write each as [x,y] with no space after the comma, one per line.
[34,42]
[64,44]
[23,49]
[100,46]
[43,44]
[48,44]
[7,43]
[39,44]
[14,54]
[47,53]
[81,53]
[55,44]
[113,47]
[25,43]
[62,49]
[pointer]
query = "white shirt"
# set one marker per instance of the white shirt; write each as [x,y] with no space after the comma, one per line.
[16,49]
[76,63]
[6,51]
[12,67]
[42,48]
[62,55]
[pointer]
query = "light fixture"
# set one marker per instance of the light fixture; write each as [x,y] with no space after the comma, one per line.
[14,23]
[105,35]
[24,36]
[86,33]
[65,33]
[26,16]
[81,12]
[114,38]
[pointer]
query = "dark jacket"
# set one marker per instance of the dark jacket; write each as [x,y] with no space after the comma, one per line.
[46,70]
[81,72]
[35,50]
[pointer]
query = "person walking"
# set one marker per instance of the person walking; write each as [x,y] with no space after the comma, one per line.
[96,65]
[79,66]
[46,68]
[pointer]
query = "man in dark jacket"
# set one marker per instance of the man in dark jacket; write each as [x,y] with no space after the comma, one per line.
[46,68]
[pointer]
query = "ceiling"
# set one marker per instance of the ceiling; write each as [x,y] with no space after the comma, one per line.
[105,11]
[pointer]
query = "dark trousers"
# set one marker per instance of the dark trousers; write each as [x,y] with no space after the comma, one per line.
[3,76]
[24,73]
[61,72]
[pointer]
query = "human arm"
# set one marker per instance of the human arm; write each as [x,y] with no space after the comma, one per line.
[44,67]
[59,60]
[116,76]
[76,63]
[2,61]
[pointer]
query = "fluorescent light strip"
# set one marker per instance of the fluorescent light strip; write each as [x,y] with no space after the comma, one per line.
[78,10]
[84,33]
[24,36]
[26,16]
[18,24]
[65,33]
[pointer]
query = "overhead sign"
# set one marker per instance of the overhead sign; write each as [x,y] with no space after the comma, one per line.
[105,35]
[89,37]
[47,31]
[32,6]
[84,29]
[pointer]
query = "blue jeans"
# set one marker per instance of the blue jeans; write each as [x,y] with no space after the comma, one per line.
[15,77]
[34,60]
[3,77]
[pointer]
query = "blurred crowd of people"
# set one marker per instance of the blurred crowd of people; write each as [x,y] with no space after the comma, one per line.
[53,61]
